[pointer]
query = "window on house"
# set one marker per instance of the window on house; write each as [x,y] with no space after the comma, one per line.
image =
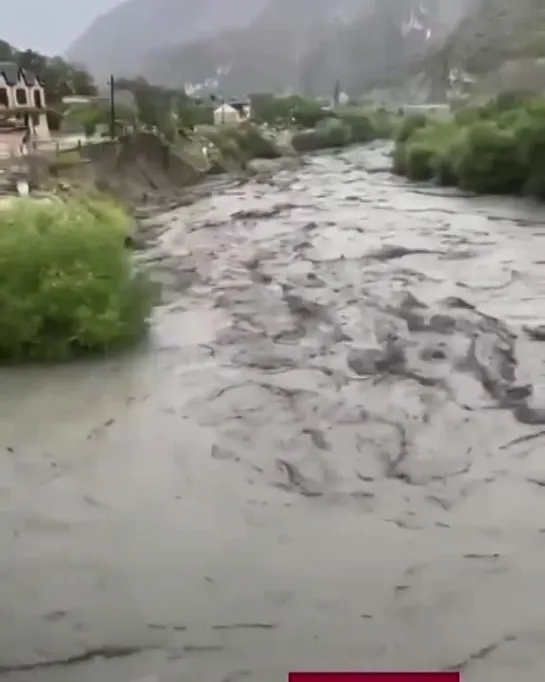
[38,99]
[21,96]
[4,99]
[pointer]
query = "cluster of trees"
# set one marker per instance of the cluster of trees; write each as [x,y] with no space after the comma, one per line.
[170,110]
[59,77]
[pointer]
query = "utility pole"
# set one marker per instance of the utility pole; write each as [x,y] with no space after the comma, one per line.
[337,93]
[112,107]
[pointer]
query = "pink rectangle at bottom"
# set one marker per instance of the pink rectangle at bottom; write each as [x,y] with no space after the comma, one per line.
[375,677]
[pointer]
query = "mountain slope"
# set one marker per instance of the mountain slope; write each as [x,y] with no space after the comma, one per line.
[266,45]
[309,44]
[494,32]
[120,40]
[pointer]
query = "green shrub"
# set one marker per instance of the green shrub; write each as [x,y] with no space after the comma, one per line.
[328,135]
[530,139]
[307,141]
[419,158]
[309,114]
[399,165]
[444,167]
[361,127]
[254,142]
[489,161]
[430,152]
[470,114]
[508,100]
[289,110]
[244,142]
[67,285]
[409,125]
[383,124]
[496,148]
[191,115]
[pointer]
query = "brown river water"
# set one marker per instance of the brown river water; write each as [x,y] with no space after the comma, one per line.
[330,456]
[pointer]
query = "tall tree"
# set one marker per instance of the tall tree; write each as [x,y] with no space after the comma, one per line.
[59,77]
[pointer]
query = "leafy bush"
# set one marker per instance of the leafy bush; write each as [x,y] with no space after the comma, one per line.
[508,100]
[399,163]
[191,115]
[496,148]
[429,153]
[67,285]
[329,135]
[470,114]
[238,144]
[384,124]
[530,139]
[361,127]
[489,162]
[293,110]
[310,114]
[409,125]
[349,126]
[254,143]
[419,158]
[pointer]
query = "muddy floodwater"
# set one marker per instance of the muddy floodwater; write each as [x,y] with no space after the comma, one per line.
[332,455]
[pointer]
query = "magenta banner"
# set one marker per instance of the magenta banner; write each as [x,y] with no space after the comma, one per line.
[375,677]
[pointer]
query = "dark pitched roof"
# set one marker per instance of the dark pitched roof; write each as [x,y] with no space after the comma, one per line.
[11,72]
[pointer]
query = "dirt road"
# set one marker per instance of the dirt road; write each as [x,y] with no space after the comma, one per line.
[332,456]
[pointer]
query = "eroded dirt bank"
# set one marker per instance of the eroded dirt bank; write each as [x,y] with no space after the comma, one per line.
[332,457]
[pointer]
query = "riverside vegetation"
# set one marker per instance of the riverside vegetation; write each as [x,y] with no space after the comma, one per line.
[67,283]
[494,148]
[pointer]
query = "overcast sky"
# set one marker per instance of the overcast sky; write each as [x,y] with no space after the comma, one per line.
[48,26]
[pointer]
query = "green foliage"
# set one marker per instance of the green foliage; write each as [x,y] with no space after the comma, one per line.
[384,124]
[489,161]
[67,284]
[330,135]
[351,126]
[59,77]
[191,115]
[286,111]
[155,105]
[362,128]
[419,161]
[497,148]
[253,142]
[409,125]
[242,143]
[470,114]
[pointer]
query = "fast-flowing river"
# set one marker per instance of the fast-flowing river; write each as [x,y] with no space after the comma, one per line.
[331,456]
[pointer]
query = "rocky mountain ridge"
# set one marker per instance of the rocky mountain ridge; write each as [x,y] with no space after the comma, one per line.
[267,45]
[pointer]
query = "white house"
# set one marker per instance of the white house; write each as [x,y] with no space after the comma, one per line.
[22,99]
[226,114]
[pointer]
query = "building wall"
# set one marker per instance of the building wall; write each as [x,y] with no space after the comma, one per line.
[20,94]
[28,92]
[10,144]
[4,87]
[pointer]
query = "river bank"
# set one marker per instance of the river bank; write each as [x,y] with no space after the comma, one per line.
[320,461]
[492,148]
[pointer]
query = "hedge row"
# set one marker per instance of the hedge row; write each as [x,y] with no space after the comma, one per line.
[498,148]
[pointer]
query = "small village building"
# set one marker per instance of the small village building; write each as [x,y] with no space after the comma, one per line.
[225,113]
[22,106]
[243,108]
